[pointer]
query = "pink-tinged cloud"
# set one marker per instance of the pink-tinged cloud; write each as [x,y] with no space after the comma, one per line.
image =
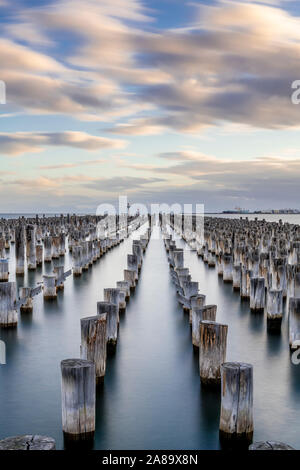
[18,143]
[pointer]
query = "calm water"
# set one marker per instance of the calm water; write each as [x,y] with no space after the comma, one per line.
[152,396]
[290,218]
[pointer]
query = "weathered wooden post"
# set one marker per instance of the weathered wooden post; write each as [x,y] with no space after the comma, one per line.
[8,312]
[103,246]
[130,276]
[4,273]
[132,264]
[78,390]
[227,268]
[125,287]
[280,277]
[206,312]
[77,260]
[236,277]
[20,250]
[290,273]
[270,445]
[55,246]
[220,264]
[211,260]
[236,420]
[178,258]
[294,322]
[28,442]
[90,252]
[212,353]
[24,292]
[49,282]
[257,294]
[111,322]
[190,289]
[62,244]
[138,252]
[274,308]
[122,300]
[2,247]
[31,247]
[59,272]
[297,284]
[205,253]
[93,343]
[12,236]
[48,249]
[113,296]
[196,301]
[245,283]
[85,260]
[95,251]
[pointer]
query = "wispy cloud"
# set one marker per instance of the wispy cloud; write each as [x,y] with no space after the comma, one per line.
[120,184]
[72,165]
[229,68]
[225,66]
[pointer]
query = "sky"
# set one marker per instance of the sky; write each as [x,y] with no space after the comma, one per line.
[164,101]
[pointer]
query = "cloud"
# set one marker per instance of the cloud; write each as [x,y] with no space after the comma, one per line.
[260,181]
[72,165]
[18,143]
[140,126]
[17,57]
[121,184]
[224,67]
[264,182]
[28,33]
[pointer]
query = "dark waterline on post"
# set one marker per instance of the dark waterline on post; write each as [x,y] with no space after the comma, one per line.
[152,397]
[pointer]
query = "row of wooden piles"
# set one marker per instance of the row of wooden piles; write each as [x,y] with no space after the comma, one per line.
[262,261]
[99,336]
[88,238]
[209,338]
[98,333]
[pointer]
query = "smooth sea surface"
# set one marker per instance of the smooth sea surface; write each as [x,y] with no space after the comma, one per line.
[152,397]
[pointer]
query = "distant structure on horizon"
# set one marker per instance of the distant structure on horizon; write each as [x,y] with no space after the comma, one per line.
[239,210]
[236,210]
